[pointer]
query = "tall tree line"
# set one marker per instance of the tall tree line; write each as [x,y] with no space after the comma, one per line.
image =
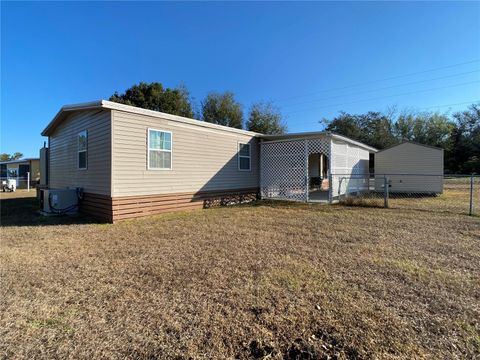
[217,108]
[458,134]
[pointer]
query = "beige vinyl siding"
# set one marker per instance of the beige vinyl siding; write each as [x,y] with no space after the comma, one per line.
[410,159]
[203,159]
[63,170]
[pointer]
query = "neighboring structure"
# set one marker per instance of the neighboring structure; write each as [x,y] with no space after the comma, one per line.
[410,168]
[18,170]
[133,162]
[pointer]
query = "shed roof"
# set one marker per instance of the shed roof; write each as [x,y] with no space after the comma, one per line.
[19,161]
[412,143]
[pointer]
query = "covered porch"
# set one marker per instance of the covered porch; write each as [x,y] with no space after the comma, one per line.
[310,167]
[295,168]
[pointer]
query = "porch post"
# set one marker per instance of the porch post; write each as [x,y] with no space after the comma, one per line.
[320,165]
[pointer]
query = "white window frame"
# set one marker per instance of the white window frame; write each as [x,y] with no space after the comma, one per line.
[170,151]
[85,151]
[249,157]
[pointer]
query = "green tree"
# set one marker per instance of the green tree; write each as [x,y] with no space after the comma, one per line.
[346,125]
[372,128]
[426,128]
[264,118]
[222,109]
[403,129]
[14,156]
[377,128]
[466,141]
[458,136]
[154,96]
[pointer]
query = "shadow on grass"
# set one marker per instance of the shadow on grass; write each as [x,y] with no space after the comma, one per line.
[395,195]
[362,202]
[24,211]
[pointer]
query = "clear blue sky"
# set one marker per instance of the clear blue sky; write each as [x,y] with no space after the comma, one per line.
[308,57]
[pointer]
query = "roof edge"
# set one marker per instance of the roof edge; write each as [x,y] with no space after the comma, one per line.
[298,136]
[137,110]
[355,142]
[65,108]
[414,143]
[105,104]
[18,161]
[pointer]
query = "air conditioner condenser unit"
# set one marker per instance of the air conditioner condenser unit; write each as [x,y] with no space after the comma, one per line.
[59,201]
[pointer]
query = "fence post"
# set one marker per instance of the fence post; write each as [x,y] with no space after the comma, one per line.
[307,180]
[385,191]
[28,181]
[260,145]
[471,195]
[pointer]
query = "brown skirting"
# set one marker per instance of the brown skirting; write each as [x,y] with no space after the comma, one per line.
[128,207]
[97,206]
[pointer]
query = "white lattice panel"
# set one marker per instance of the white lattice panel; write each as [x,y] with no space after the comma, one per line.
[319,146]
[284,167]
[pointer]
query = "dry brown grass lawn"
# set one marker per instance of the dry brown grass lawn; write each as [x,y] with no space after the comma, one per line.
[270,280]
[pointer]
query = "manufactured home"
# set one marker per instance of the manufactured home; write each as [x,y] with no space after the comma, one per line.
[129,162]
[410,168]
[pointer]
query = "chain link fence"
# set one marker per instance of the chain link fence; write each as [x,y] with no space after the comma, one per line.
[447,193]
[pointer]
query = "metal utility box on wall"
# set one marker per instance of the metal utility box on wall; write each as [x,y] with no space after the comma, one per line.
[410,168]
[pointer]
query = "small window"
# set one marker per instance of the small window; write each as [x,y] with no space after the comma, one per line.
[159,150]
[82,150]
[244,157]
[12,173]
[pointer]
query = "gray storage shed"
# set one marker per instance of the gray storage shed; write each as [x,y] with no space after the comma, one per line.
[410,168]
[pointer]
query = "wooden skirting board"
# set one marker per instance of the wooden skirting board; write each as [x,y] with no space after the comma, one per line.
[127,207]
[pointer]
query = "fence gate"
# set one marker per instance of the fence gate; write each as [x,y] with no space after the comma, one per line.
[284,167]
